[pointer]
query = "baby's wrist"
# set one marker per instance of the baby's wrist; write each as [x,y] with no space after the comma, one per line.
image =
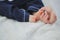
[32,18]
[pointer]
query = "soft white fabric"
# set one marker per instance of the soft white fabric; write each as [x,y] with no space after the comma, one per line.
[13,30]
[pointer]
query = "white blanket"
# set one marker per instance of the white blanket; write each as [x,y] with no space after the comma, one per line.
[13,30]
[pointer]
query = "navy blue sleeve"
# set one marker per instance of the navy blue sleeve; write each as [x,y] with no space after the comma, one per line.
[12,12]
[34,5]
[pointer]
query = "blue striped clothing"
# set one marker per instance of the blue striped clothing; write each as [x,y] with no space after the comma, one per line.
[19,9]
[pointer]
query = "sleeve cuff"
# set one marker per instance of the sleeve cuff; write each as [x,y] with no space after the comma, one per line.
[21,15]
[32,8]
[24,15]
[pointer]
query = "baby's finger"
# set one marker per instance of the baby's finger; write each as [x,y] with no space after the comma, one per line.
[43,8]
[46,15]
[39,13]
[41,16]
[45,19]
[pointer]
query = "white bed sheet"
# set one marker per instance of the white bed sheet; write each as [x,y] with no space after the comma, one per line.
[13,30]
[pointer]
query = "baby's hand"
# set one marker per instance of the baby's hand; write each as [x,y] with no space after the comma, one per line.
[52,17]
[42,15]
[46,15]
[35,17]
